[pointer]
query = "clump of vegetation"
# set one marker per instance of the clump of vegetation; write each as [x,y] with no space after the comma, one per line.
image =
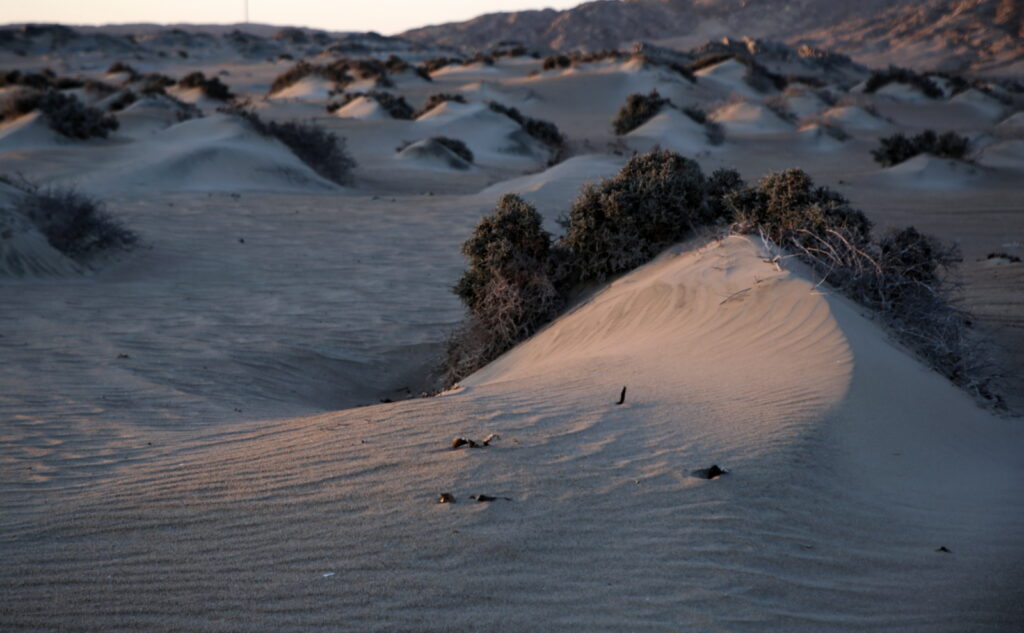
[894,74]
[340,72]
[155,83]
[897,148]
[121,67]
[212,87]
[641,108]
[638,109]
[395,65]
[518,278]
[756,75]
[507,286]
[396,106]
[437,63]
[657,199]
[73,223]
[324,152]
[544,131]
[575,58]
[437,99]
[122,101]
[456,146]
[901,275]
[63,113]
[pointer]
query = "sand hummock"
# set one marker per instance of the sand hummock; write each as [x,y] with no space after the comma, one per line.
[236,425]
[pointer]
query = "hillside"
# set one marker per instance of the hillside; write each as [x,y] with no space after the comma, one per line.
[974,35]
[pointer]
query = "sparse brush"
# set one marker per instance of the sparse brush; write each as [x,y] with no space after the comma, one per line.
[395,105]
[895,149]
[323,151]
[211,87]
[881,78]
[63,113]
[73,223]
[638,109]
[456,146]
[122,101]
[437,99]
[544,131]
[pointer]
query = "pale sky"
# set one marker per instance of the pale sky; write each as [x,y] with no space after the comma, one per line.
[383,16]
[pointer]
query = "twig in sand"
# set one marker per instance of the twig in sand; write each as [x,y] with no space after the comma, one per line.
[734,295]
[622,396]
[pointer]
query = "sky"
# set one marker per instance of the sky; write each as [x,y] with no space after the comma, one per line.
[383,16]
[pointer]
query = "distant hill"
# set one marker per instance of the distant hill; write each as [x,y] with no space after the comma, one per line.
[961,35]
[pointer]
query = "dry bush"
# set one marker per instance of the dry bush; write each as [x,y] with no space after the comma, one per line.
[395,105]
[73,223]
[507,287]
[324,152]
[638,109]
[212,87]
[657,199]
[122,101]
[894,74]
[437,99]
[65,114]
[544,131]
[903,276]
[456,146]
[895,149]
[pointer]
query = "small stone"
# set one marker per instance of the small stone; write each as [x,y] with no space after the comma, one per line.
[446,497]
[944,550]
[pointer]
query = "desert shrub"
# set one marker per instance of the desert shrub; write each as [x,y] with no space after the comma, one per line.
[437,99]
[68,83]
[756,75]
[68,116]
[780,107]
[789,209]
[211,86]
[894,74]
[552,62]
[291,76]
[638,109]
[122,101]
[324,152]
[19,104]
[507,286]
[73,223]
[437,63]
[395,105]
[155,83]
[121,67]
[99,88]
[39,81]
[395,64]
[456,146]
[655,200]
[895,149]
[902,276]
[544,131]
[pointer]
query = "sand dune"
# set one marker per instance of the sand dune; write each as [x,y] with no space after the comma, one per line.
[221,430]
[750,118]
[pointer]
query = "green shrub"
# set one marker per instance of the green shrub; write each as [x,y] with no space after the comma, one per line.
[507,286]
[638,109]
[789,209]
[622,222]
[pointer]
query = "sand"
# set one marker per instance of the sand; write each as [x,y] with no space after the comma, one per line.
[222,430]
